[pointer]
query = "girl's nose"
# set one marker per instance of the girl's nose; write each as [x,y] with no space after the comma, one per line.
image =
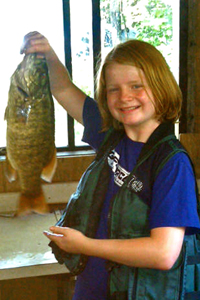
[126,95]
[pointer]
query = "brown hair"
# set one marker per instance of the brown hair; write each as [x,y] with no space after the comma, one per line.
[166,92]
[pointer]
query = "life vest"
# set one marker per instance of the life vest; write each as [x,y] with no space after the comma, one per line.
[127,219]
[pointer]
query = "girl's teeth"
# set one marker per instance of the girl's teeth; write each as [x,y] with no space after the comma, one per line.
[130,108]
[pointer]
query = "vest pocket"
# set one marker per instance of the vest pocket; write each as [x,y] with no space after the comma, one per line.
[152,284]
[192,277]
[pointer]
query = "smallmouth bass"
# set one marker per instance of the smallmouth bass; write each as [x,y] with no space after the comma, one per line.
[31,151]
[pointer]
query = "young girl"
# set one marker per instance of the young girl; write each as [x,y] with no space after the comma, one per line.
[126,227]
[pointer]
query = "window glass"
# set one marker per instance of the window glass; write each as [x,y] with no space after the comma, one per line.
[154,21]
[17,19]
[82,52]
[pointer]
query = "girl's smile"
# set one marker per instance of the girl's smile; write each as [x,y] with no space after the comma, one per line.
[130,100]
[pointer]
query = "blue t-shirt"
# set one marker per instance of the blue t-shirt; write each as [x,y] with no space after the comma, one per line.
[173,197]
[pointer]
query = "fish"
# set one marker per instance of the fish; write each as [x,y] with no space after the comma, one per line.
[30,133]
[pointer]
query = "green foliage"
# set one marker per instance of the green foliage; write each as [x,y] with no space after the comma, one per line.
[157,26]
[151,20]
[147,20]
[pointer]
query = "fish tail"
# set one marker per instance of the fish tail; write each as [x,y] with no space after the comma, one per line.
[27,205]
[24,206]
[39,204]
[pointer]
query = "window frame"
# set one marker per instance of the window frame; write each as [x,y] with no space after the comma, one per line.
[96,36]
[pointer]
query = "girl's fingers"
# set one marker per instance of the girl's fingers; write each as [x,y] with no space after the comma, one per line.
[58,229]
[32,33]
[26,41]
[51,234]
[34,42]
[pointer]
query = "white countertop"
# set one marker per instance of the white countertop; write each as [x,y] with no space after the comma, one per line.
[24,250]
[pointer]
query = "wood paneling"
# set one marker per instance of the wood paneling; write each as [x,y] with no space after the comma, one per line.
[191,142]
[190,65]
[54,287]
[69,168]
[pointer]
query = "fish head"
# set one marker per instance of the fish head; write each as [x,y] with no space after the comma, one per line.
[29,85]
[31,77]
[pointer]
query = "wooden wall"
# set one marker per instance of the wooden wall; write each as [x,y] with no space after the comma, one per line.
[69,168]
[191,142]
[53,287]
[190,79]
[190,65]
[193,95]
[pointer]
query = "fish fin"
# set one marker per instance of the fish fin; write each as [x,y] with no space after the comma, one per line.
[39,204]
[49,170]
[24,206]
[28,205]
[10,172]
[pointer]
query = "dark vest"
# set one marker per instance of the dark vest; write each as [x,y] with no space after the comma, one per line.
[128,218]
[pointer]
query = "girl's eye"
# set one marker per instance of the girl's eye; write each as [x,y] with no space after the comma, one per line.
[112,90]
[136,86]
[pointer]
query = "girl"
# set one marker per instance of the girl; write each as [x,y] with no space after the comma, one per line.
[125,229]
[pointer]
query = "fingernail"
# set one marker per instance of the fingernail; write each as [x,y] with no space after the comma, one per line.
[46,232]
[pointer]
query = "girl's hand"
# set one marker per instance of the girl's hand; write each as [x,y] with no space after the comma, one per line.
[159,251]
[34,42]
[68,239]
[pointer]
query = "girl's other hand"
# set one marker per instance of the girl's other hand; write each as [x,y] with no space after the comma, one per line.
[68,239]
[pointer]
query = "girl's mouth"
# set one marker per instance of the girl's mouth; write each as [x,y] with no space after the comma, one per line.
[127,109]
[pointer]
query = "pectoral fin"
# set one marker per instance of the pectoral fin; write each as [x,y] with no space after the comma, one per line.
[49,170]
[10,172]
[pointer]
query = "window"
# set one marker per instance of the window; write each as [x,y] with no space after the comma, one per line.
[17,19]
[154,21]
[89,27]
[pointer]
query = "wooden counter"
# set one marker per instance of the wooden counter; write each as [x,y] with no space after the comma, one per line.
[28,269]
[24,250]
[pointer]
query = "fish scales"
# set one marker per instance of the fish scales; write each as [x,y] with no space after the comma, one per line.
[31,151]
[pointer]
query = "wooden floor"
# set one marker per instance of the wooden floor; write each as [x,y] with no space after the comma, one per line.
[54,287]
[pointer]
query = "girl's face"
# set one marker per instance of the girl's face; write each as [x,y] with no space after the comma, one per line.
[130,100]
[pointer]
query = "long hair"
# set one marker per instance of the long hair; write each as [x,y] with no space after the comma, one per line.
[166,92]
